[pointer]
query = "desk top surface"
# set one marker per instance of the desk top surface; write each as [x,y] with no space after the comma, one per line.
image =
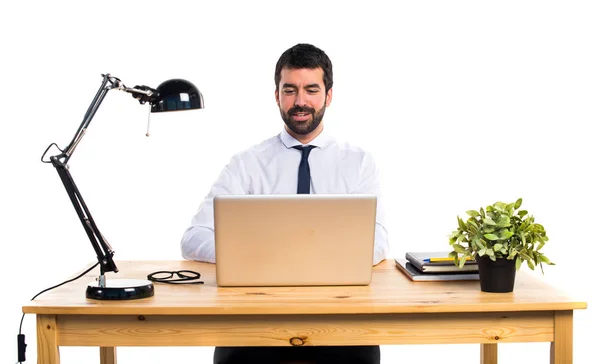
[389,292]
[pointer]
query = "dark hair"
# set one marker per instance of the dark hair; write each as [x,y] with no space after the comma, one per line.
[305,56]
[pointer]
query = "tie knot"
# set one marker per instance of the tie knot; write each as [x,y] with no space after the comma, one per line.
[305,150]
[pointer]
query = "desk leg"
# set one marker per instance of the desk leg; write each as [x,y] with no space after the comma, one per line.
[489,354]
[47,343]
[561,350]
[108,355]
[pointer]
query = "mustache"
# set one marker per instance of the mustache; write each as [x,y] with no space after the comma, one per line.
[298,109]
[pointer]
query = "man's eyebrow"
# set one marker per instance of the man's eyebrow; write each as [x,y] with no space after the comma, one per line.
[290,85]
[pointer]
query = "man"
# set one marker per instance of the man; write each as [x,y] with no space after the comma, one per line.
[303,90]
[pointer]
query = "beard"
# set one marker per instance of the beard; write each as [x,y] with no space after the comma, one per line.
[303,127]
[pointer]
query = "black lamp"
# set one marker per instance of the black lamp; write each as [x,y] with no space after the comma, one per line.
[171,95]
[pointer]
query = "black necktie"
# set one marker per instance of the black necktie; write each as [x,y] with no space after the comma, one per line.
[304,169]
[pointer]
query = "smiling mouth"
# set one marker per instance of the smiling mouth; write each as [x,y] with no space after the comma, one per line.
[301,116]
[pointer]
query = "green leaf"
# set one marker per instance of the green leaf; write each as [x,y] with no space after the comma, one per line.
[518,263]
[472,213]
[489,229]
[518,203]
[497,247]
[510,208]
[479,244]
[491,237]
[524,255]
[489,221]
[482,212]
[544,259]
[522,213]
[458,248]
[504,221]
[461,223]
[523,238]
[506,234]
[500,206]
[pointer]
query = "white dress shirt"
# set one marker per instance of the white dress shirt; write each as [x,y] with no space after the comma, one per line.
[271,167]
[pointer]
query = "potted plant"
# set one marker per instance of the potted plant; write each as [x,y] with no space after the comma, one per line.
[499,238]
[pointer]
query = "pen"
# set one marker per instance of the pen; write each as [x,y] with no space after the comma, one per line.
[433,260]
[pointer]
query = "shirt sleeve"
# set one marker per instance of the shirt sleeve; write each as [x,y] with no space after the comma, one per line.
[369,183]
[198,242]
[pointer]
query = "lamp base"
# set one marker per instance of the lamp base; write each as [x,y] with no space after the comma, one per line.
[120,289]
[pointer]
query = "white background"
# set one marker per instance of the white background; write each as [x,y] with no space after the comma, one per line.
[463,103]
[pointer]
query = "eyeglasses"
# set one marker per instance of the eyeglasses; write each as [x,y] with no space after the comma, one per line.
[185,277]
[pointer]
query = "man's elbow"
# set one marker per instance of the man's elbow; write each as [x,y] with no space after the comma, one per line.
[379,255]
[187,251]
[196,247]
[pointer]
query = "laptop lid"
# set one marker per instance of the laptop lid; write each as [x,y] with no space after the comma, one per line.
[294,240]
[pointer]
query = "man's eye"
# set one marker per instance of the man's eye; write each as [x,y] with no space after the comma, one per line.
[313,90]
[288,91]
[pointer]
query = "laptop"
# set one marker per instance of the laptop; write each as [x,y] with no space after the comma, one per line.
[294,240]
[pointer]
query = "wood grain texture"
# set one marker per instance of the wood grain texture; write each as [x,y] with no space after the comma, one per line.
[47,340]
[389,292]
[561,349]
[108,355]
[489,354]
[293,330]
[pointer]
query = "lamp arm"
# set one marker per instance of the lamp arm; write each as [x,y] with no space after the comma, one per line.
[91,111]
[104,252]
[142,93]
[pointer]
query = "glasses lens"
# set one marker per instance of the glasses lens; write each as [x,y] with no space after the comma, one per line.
[187,274]
[162,275]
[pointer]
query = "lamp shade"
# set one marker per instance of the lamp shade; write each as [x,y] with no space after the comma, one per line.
[177,94]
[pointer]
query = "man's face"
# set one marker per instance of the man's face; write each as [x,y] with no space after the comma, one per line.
[302,99]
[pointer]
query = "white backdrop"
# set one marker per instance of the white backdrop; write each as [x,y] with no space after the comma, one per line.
[463,103]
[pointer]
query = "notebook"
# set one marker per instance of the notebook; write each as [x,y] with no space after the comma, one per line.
[416,275]
[419,260]
[294,240]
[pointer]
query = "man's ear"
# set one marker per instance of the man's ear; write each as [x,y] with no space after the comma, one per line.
[328,97]
[277,97]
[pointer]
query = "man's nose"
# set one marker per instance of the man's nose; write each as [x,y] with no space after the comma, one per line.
[300,99]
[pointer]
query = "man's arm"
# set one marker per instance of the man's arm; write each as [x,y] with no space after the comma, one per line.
[369,184]
[198,242]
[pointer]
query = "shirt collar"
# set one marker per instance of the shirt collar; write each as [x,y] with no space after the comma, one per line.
[289,141]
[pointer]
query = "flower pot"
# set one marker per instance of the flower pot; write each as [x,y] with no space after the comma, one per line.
[496,276]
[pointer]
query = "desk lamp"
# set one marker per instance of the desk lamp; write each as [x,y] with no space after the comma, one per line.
[171,95]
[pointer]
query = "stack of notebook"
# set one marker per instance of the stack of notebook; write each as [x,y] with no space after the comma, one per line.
[436,266]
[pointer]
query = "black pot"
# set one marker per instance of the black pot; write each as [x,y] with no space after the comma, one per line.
[496,276]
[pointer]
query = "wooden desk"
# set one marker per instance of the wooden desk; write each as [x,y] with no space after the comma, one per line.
[392,310]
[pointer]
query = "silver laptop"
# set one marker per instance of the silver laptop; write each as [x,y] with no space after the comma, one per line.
[294,240]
